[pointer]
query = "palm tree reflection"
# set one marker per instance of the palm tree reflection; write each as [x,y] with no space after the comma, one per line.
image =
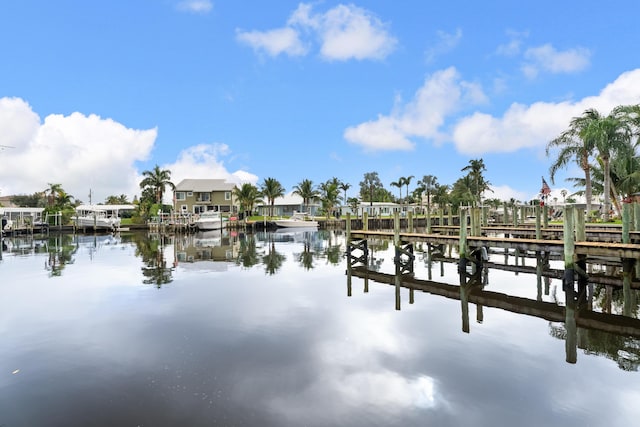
[155,269]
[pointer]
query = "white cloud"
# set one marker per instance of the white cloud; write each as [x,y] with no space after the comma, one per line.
[344,32]
[440,95]
[446,43]
[526,126]
[90,153]
[514,45]
[80,152]
[349,32]
[205,161]
[195,6]
[547,58]
[273,42]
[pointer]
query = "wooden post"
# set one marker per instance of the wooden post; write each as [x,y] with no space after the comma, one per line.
[626,222]
[505,208]
[450,212]
[410,222]
[545,216]
[636,216]
[485,212]
[463,233]
[581,235]
[365,221]
[569,243]
[538,230]
[396,228]
[441,214]
[348,229]
[428,220]
[627,275]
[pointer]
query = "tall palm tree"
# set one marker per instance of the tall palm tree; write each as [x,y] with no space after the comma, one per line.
[157,179]
[574,147]
[477,184]
[52,193]
[606,134]
[271,189]
[344,187]
[247,196]
[429,183]
[307,191]
[407,181]
[369,186]
[399,183]
[329,195]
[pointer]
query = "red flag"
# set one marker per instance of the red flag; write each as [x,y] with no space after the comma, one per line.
[545,191]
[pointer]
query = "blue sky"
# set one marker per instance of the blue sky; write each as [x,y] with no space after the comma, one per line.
[93,93]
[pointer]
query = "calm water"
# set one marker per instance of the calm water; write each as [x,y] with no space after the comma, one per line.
[263,330]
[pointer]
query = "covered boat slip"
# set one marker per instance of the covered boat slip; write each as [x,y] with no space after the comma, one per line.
[22,219]
[99,217]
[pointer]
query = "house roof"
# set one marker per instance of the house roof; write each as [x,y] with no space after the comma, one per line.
[204,185]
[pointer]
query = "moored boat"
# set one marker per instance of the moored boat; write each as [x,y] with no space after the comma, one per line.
[210,220]
[298,219]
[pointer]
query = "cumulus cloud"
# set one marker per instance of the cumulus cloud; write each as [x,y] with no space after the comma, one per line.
[526,126]
[344,32]
[78,151]
[441,94]
[195,6]
[273,42]
[85,153]
[547,58]
[205,161]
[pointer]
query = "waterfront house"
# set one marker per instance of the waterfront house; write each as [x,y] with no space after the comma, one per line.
[194,196]
[287,205]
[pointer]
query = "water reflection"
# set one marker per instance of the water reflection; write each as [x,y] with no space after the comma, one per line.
[227,344]
[612,332]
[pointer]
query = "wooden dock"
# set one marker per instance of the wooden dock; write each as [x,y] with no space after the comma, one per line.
[590,248]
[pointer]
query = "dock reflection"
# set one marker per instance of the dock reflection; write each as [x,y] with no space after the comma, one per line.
[616,336]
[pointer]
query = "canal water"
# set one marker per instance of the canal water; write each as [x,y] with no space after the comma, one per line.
[268,329]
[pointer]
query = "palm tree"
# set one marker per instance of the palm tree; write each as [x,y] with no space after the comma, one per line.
[477,184]
[574,147]
[399,183]
[52,193]
[306,190]
[429,183]
[157,179]
[247,196]
[271,189]
[329,195]
[606,135]
[369,186]
[407,181]
[344,187]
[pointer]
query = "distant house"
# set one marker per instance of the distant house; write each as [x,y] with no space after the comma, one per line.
[199,195]
[285,206]
[374,209]
[6,202]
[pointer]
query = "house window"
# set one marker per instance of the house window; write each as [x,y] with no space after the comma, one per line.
[227,195]
[189,193]
[180,195]
[199,209]
[184,208]
[204,197]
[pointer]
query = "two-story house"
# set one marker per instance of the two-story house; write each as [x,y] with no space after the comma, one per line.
[199,195]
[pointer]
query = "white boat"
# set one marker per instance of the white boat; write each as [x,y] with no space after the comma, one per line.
[210,220]
[298,220]
[97,217]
